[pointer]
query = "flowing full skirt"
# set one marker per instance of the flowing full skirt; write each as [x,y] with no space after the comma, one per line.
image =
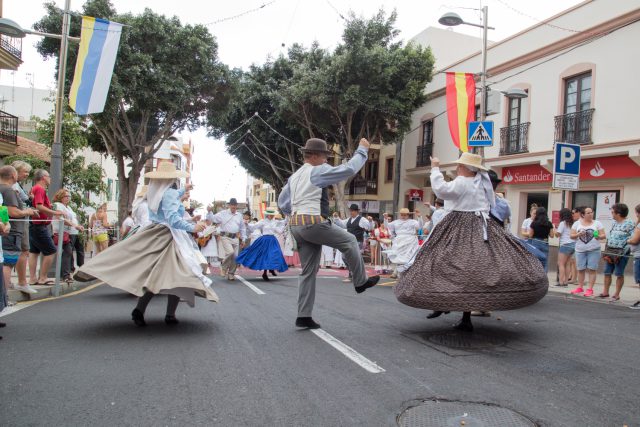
[155,259]
[457,270]
[403,248]
[263,254]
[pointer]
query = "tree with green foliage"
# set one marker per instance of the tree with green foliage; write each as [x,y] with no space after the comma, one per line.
[79,177]
[166,78]
[367,87]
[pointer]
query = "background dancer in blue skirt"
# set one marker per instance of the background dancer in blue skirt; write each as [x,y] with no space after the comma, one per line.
[265,254]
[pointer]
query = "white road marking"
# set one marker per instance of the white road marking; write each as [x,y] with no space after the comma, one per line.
[250,285]
[350,353]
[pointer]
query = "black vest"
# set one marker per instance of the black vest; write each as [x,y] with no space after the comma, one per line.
[353,227]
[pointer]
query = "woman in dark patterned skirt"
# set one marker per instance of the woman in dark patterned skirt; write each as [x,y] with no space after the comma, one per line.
[470,262]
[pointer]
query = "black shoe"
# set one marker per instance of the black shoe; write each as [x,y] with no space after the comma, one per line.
[138,317]
[264,276]
[3,325]
[307,322]
[273,272]
[371,281]
[435,314]
[464,325]
[170,320]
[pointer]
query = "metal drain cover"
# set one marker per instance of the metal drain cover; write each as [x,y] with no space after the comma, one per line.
[465,341]
[436,413]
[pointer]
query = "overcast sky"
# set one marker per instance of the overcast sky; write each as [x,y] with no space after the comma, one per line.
[252,36]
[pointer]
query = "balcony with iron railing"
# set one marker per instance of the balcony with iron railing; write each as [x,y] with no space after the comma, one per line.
[514,139]
[8,127]
[360,185]
[423,155]
[13,45]
[574,128]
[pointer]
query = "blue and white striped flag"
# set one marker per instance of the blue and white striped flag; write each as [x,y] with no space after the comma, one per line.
[99,41]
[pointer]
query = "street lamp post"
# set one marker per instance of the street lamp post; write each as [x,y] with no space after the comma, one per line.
[452,19]
[56,147]
[11,28]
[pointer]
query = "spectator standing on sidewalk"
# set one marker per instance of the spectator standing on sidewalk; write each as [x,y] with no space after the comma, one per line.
[540,230]
[99,226]
[4,230]
[40,240]
[24,170]
[616,252]
[588,233]
[12,243]
[567,246]
[524,228]
[127,225]
[634,242]
[71,229]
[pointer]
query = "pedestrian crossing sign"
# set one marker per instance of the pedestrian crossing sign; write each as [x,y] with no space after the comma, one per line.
[480,134]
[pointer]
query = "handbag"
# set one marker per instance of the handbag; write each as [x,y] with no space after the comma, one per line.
[65,238]
[612,255]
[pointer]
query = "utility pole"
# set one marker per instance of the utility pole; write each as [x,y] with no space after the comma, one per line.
[56,147]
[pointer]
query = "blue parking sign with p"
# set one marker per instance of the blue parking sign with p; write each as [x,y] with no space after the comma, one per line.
[566,166]
[567,159]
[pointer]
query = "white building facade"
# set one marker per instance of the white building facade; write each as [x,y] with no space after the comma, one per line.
[576,69]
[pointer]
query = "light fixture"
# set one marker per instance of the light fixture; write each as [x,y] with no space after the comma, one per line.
[450,19]
[11,28]
[515,93]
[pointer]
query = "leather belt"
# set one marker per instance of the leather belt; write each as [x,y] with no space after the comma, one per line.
[229,235]
[302,219]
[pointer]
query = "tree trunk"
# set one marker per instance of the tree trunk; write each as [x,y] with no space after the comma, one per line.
[128,186]
[339,191]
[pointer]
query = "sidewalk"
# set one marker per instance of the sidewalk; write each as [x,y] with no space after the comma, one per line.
[16,296]
[630,291]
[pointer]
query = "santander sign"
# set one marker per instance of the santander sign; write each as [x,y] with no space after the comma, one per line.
[528,174]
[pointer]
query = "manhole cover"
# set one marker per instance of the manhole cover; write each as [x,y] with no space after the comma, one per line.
[465,341]
[437,413]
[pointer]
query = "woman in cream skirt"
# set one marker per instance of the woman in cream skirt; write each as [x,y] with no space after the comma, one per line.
[161,258]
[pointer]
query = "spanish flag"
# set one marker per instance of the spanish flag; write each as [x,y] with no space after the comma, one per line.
[99,41]
[461,103]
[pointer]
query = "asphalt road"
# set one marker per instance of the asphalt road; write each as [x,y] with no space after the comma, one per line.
[241,362]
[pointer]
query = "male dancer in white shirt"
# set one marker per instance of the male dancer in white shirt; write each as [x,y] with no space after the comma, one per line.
[232,231]
[305,198]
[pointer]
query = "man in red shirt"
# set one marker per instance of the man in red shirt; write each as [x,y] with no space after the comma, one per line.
[40,240]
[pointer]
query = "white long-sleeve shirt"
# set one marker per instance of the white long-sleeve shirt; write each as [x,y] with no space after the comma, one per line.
[363,223]
[461,194]
[404,226]
[230,223]
[268,227]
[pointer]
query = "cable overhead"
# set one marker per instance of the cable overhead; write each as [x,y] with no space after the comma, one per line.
[246,12]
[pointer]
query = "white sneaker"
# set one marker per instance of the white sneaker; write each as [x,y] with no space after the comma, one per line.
[26,289]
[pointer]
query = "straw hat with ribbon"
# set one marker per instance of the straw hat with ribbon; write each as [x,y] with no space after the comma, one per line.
[470,159]
[270,212]
[166,170]
[404,211]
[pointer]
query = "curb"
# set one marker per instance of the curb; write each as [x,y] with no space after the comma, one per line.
[46,291]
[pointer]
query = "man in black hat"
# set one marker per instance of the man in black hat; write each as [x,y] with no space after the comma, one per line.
[305,199]
[232,232]
[356,225]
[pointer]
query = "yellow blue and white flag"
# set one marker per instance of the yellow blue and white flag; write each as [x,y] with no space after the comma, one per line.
[99,41]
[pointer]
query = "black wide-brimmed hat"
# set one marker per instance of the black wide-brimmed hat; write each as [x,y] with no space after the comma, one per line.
[493,176]
[233,201]
[354,207]
[316,145]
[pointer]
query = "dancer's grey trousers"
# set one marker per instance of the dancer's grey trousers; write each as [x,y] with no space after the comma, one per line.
[310,239]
